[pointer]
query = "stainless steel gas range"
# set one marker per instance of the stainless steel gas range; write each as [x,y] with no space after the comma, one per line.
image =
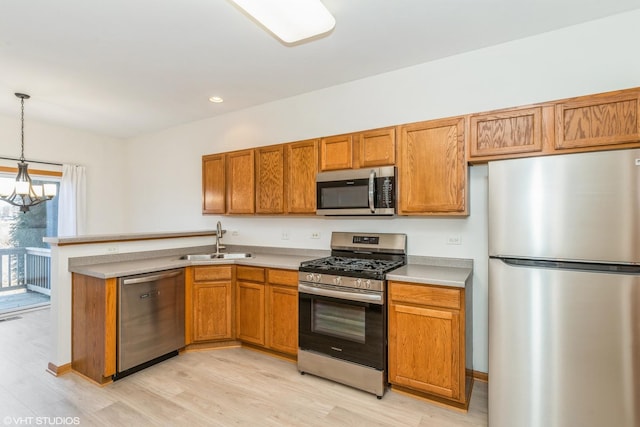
[343,309]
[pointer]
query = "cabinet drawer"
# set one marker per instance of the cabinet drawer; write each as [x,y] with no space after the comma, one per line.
[211,273]
[253,274]
[425,295]
[283,277]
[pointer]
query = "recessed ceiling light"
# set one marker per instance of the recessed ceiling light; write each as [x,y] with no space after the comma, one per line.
[290,20]
[216,99]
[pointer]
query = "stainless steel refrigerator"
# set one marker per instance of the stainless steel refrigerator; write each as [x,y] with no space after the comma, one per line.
[564,290]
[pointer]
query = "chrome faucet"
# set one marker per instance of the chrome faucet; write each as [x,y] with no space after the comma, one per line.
[219,233]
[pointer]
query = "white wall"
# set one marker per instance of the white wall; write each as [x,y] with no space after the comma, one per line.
[101,155]
[165,180]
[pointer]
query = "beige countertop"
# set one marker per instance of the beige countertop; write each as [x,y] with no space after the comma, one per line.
[432,271]
[141,266]
[432,275]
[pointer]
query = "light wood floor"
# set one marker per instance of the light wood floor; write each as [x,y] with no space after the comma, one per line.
[207,388]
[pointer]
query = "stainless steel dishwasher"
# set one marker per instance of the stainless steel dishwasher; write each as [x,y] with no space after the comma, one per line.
[150,319]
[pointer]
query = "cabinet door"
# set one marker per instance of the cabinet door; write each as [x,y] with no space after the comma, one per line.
[282,319]
[213,184]
[301,176]
[336,152]
[250,312]
[282,310]
[212,311]
[598,120]
[377,148]
[506,132]
[270,196]
[432,168]
[240,182]
[424,349]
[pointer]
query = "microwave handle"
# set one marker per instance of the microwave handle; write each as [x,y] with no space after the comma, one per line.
[372,182]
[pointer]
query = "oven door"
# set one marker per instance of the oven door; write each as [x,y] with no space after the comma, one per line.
[342,327]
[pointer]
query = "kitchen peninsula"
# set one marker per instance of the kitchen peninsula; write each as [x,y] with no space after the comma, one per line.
[108,257]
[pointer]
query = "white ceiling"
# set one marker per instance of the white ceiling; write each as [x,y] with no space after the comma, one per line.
[128,67]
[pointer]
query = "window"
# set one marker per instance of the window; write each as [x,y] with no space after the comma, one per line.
[25,260]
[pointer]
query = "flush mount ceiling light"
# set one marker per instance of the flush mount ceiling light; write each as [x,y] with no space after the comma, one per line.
[22,193]
[216,99]
[290,20]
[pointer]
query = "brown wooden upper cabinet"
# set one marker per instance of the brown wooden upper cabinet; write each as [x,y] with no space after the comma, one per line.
[302,167]
[507,132]
[240,182]
[377,147]
[213,184]
[432,168]
[336,152]
[270,183]
[371,148]
[608,119]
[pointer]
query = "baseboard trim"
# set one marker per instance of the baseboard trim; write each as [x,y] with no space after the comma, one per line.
[480,376]
[57,371]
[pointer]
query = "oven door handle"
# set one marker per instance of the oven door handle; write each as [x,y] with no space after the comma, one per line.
[351,296]
[372,182]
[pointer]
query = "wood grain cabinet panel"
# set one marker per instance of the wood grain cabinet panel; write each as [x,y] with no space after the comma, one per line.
[240,182]
[282,310]
[427,342]
[270,190]
[209,303]
[336,152]
[250,304]
[426,359]
[598,120]
[282,318]
[212,311]
[213,184]
[93,327]
[377,148]
[432,168]
[302,169]
[507,132]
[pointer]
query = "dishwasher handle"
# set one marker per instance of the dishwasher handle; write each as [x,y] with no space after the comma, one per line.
[151,277]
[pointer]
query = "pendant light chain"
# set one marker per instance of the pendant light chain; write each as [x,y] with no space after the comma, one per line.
[22,128]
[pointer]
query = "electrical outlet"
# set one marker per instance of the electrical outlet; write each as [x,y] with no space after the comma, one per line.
[234,232]
[285,235]
[454,239]
[113,250]
[315,235]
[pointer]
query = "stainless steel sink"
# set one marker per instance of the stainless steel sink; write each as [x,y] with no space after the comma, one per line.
[211,257]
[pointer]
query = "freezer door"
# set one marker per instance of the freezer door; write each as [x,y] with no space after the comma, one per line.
[573,206]
[564,347]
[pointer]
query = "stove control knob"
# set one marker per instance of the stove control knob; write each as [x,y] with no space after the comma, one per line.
[318,277]
[310,277]
[368,284]
[358,283]
[337,280]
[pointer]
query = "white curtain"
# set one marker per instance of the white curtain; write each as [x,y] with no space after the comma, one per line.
[72,203]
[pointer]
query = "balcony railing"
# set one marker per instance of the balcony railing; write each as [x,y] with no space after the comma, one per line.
[25,267]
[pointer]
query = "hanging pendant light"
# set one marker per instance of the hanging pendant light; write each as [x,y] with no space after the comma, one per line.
[23,193]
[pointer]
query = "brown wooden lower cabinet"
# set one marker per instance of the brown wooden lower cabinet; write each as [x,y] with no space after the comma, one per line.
[427,342]
[211,290]
[267,308]
[282,311]
[93,327]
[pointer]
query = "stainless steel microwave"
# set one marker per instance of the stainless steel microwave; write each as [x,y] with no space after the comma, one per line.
[357,192]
